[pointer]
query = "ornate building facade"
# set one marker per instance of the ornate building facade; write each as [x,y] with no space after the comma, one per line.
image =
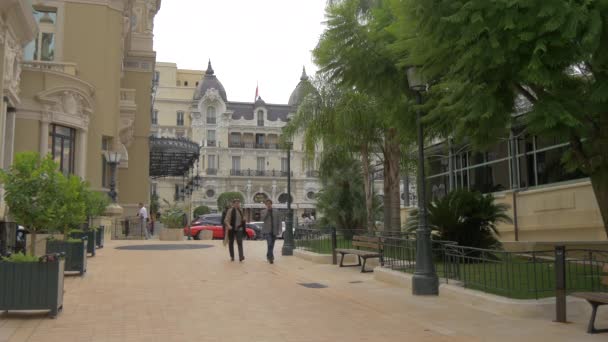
[239,142]
[82,70]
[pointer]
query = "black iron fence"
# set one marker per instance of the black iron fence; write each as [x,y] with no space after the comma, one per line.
[522,275]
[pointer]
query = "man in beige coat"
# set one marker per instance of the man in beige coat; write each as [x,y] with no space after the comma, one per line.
[271,229]
[235,228]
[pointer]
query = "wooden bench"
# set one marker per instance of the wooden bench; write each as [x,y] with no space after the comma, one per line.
[596,299]
[373,249]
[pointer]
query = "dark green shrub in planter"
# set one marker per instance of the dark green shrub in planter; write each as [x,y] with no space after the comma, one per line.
[75,253]
[31,283]
[89,234]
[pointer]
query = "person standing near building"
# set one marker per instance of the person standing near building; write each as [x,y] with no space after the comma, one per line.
[271,229]
[235,227]
[143,218]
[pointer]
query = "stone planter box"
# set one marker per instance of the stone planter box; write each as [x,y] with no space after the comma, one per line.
[91,236]
[32,286]
[171,234]
[75,254]
[205,235]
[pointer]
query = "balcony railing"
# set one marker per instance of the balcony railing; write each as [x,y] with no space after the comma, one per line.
[312,173]
[211,172]
[211,143]
[259,173]
[66,68]
[253,145]
[211,121]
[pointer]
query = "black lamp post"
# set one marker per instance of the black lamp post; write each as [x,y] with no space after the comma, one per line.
[113,159]
[288,244]
[425,281]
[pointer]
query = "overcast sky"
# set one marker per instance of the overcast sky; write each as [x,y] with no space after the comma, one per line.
[265,41]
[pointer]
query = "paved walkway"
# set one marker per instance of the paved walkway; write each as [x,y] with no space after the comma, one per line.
[199,295]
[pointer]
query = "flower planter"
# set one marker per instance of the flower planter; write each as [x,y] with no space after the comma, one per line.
[99,238]
[91,236]
[32,286]
[75,254]
[170,234]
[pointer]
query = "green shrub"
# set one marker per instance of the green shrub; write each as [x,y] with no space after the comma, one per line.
[201,210]
[20,257]
[225,199]
[466,217]
[173,217]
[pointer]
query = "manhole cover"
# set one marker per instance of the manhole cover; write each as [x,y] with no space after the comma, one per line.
[162,247]
[313,285]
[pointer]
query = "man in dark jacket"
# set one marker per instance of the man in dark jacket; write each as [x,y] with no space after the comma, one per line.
[235,227]
[271,229]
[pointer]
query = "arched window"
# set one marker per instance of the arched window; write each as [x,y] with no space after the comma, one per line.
[211,115]
[260,197]
[283,198]
[260,118]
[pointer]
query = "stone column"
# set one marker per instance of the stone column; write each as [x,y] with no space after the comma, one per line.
[44,138]
[81,161]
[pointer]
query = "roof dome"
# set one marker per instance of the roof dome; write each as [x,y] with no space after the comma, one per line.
[303,88]
[209,81]
[259,102]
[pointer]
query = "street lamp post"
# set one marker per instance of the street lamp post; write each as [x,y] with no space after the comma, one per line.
[288,244]
[113,159]
[425,280]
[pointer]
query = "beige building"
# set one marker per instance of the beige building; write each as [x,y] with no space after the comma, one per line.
[239,142]
[84,84]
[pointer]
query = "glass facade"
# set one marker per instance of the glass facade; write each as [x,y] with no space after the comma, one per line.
[42,48]
[519,162]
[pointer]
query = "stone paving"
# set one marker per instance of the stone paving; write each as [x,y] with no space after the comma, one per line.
[199,295]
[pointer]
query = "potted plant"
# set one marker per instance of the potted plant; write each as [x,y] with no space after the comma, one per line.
[154,211]
[44,279]
[173,222]
[69,215]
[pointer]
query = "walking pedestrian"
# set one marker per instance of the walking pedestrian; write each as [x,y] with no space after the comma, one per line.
[271,229]
[143,219]
[235,227]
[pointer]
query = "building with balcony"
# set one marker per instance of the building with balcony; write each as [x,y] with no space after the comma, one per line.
[78,85]
[240,142]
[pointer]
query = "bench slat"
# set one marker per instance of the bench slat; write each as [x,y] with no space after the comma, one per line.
[366,244]
[592,296]
[357,252]
[366,238]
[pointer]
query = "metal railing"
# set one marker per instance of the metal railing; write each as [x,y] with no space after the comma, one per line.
[211,172]
[128,228]
[522,275]
[258,173]
[236,144]
[312,173]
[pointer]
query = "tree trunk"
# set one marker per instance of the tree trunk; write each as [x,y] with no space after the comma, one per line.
[368,189]
[32,244]
[599,182]
[392,156]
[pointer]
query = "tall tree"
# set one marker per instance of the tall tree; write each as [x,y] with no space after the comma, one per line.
[485,56]
[344,118]
[355,51]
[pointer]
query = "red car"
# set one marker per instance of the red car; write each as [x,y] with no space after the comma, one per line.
[218,232]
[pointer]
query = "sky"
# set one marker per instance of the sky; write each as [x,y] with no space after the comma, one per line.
[265,42]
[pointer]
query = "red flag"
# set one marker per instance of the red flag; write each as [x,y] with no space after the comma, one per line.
[256,92]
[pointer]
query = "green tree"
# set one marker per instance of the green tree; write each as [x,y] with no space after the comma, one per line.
[95,202]
[332,116]
[70,204]
[355,51]
[226,198]
[201,210]
[485,57]
[31,186]
[154,205]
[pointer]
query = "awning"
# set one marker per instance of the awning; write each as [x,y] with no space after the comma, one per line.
[172,157]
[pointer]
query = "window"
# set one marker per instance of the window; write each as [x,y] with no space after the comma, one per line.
[284,164]
[155,117]
[211,161]
[235,139]
[180,118]
[153,188]
[283,198]
[310,195]
[197,83]
[62,144]
[236,163]
[261,164]
[211,138]
[260,197]
[106,145]
[42,48]
[210,193]
[260,140]
[178,192]
[185,83]
[260,118]
[178,83]
[211,115]
[156,78]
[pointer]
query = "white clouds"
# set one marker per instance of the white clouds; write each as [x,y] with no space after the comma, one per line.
[266,41]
